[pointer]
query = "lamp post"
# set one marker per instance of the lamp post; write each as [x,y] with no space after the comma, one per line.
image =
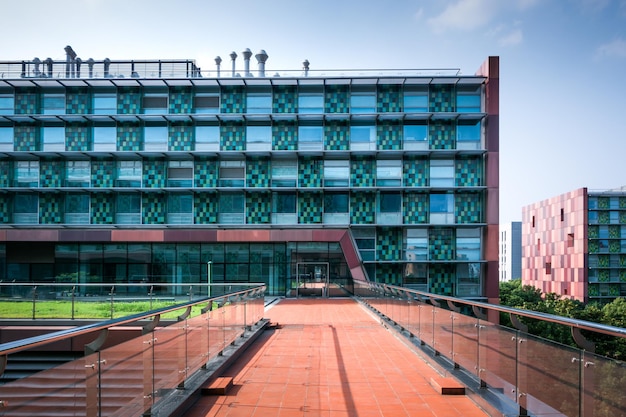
[208,274]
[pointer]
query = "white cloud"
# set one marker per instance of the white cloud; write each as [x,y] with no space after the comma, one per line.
[616,48]
[464,15]
[514,37]
[419,14]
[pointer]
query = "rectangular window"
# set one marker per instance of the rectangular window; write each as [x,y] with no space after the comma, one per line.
[77,208]
[336,173]
[7,104]
[259,103]
[468,133]
[388,173]
[365,239]
[389,208]
[442,173]
[180,174]
[312,103]
[469,278]
[310,138]
[468,246]
[232,174]
[26,208]
[284,172]
[179,208]
[415,136]
[548,268]
[416,99]
[128,208]
[104,103]
[416,276]
[78,174]
[53,139]
[206,103]
[231,208]
[129,174]
[284,208]
[258,138]
[468,99]
[27,174]
[570,240]
[336,208]
[53,104]
[6,138]
[105,138]
[416,248]
[207,138]
[363,137]
[155,103]
[363,102]
[441,208]
[155,138]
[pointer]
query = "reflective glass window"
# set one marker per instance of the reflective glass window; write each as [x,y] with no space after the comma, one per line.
[129,173]
[27,173]
[78,173]
[311,103]
[53,104]
[207,138]
[77,208]
[104,138]
[155,138]
[258,138]
[388,172]
[179,208]
[442,173]
[53,138]
[259,103]
[284,172]
[310,137]
[336,173]
[232,173]
[7,104]
[128,208]
[104,103]
[6,138]
[416,99]
[231,208]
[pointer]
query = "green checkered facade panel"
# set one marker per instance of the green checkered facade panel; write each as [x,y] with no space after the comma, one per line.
[441,279]
[102,208]
[180,100]
[441,244]
[258,207]
[129,100]
[593,232]
[389,244]
[310,172]
[337,136]
[154,207]
[622,217]
[604,217]
[604,203]
[442,135]
[615,232]
[50,209]
[416,171]
[205,208]
[363,207]
[78,138]
[389,274]
[78,101]
[206,173]
[468,208]
[622,202]
[336,99]
[363,172]
[26,138]
[415,208]
[129,137]
[469,172]
[181,137]
[102,173]
[389,136]
[154,173]
[285,99]
[5,173]
[26,101]
[442,98]
[258,172]
[310,207]
[233,100]
[51,173]
[389,99]
[232,136]
[285,136]
[5,214]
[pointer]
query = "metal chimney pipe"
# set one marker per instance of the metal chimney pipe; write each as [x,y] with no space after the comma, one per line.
[305,66]
[246,61]
[261,57]
[90,63]
[70,55]
[78,62]
[233,57]
[218,61]
[36,71]
[49,64]
[107,64]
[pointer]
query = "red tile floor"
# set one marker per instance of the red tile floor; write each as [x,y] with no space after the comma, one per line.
[330,357]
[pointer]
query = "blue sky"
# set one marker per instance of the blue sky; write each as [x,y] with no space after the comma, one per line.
[563,62]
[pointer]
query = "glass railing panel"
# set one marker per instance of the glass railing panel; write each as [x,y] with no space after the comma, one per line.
[216,331]
[197,343]
[603,386]
[61,388]
[465,342]
[413,318]
[497,358]
[426,332]
[548,377]
[125,385]
[169,358]
[232,322]
[442,331]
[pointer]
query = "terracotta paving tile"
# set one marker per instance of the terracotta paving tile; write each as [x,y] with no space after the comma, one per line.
[330,358]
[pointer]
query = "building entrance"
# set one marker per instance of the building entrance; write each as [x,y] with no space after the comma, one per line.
[311,279]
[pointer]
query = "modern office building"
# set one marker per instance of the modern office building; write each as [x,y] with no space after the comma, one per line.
[158,171]
[574,244]
[510,251]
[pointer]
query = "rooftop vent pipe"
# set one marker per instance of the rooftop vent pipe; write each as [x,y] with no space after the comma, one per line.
[218,61]
[246,62]
[305,67]
[233,56]
[261,57]
[70,56]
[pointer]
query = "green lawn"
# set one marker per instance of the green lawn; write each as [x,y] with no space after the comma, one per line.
[52,309]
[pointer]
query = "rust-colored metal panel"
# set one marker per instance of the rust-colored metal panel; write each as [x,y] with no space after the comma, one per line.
[329,235]
[138,235]
[292,235]
[186,235]
[33,235]
[349,251]
[84,236]
[243,235]
[3,235]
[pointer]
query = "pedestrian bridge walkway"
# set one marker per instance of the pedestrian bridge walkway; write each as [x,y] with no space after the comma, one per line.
[332,357]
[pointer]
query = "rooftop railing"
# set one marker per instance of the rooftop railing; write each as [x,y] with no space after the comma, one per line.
[533,375]
[135,377]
